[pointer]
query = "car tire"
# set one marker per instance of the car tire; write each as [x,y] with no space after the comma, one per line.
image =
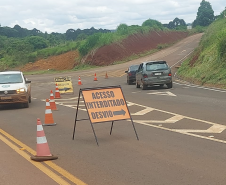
[142,86]
[29,99]
[137,85]
[129,82]
[170,85]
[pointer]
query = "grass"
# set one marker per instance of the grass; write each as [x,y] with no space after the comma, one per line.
[209,68]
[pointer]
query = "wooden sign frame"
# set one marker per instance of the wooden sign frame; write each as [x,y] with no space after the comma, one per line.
[104,104]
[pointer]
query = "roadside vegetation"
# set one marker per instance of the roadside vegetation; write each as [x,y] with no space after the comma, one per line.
[207,65]
[19,46]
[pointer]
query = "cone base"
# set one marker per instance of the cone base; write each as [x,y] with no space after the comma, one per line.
[43,158]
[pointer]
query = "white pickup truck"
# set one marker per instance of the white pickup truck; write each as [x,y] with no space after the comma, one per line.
[14,88]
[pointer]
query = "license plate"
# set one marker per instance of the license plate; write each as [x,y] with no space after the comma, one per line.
[6,98]
[157,74]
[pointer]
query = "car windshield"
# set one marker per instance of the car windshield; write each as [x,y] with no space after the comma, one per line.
[133,68]
[10,78]
[156,66]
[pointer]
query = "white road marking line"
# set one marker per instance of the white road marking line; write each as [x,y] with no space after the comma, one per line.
[181,59]
[201,87]
[216,128]
[185,133]
[129,104]
[142,112]
[166,93]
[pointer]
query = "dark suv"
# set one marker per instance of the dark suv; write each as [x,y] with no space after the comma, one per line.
[131,74]
[153,73]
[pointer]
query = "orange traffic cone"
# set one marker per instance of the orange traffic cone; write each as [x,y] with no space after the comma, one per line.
[95,77]
[57,92]
[106,75]
[52,101]
[42,148]
[48,115]
[79,81]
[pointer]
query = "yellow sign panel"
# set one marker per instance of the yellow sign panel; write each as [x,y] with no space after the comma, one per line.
[105,104]
[64,84]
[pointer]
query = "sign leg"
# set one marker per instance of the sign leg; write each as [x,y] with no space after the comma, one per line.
[111,127]
[134,129]
[76,114]
[94,133]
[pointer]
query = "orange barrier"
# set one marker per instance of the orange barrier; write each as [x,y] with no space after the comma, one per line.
[57,92]
[48,115]
[79,81]
[106,75]
[52,101]
[42,148]
[95,77]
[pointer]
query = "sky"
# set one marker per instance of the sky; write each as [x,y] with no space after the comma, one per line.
[59,16]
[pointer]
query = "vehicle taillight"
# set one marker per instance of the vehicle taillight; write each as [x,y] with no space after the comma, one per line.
[145,75]
[169,74]
[130,74]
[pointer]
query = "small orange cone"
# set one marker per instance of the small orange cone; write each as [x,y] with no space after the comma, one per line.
[42,147]
[106,75]
[79,81]
[57,92]
[95,77]
[52,101]
[48,115]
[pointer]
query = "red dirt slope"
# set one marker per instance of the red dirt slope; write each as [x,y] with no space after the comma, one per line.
[135,44]
[106,55]
[60,62]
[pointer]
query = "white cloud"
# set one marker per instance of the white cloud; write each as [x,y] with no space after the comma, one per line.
[59,16]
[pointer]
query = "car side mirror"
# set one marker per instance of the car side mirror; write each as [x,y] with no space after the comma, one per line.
[28,81]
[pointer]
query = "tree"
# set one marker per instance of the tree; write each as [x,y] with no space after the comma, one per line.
[205,14]
[177,24]
[37,42]
[152,23]
[122,29]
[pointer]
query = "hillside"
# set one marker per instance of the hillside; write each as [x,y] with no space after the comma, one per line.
[207,66]
[133,46]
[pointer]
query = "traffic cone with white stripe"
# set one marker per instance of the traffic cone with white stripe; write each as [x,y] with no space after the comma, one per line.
[95,77]
[79,81]
[52,101]
[48,115]
[42,148]
[57,93]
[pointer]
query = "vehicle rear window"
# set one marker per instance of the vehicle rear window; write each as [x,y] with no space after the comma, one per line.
[156,66]
[133,68]
[10,78]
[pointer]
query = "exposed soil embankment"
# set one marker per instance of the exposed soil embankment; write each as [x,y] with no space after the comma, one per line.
[134,44]
[106,55]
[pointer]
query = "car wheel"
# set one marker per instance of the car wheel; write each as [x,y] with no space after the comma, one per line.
[129,82]
[170,85]
[142,86]
[137,85]
[29,99]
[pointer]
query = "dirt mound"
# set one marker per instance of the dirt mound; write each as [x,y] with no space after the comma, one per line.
[134,44]
[60,62]
[106,55]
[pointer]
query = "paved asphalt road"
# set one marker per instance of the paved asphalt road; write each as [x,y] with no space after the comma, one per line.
[182,133]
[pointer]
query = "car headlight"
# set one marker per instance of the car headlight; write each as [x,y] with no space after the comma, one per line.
[22,90]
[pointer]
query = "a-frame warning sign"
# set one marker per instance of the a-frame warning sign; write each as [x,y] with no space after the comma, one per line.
[104,104]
